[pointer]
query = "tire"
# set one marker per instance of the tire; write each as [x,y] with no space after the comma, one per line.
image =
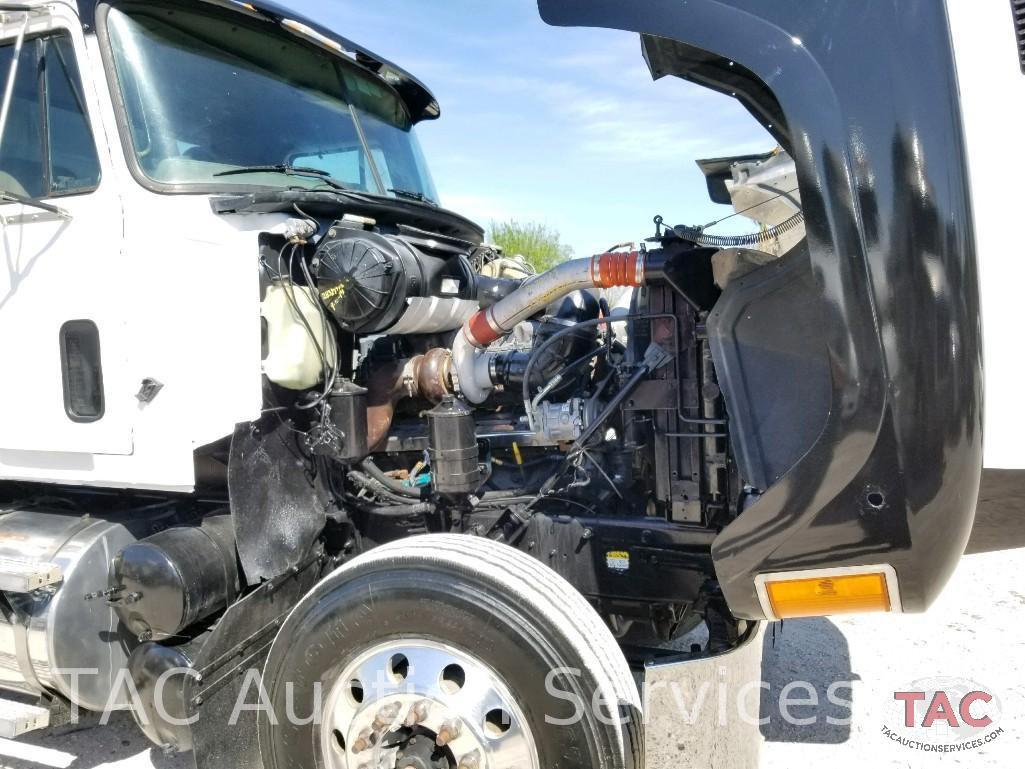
[505,618]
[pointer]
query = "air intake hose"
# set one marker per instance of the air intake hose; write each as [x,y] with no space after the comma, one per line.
[471,363]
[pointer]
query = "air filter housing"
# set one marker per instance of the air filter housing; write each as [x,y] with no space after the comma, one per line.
[374,282]
[365,279]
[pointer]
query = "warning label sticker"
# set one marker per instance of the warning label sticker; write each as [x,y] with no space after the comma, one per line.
[618,560]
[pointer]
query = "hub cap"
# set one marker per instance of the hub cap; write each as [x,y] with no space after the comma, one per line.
[421,704]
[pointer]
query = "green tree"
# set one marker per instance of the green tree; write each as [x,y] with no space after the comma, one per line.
[538,243]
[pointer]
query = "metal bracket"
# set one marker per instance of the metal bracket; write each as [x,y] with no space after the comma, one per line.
[655,357]
[239,657]
[13,72]
[149,390]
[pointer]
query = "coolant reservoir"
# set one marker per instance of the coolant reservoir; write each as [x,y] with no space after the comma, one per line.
[293,360]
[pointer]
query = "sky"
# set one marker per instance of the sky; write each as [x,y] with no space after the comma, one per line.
[553,125]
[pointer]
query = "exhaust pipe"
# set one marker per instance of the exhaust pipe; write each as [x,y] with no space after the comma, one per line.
[471,365]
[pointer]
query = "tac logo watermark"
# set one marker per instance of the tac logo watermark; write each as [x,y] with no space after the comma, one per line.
[943,714]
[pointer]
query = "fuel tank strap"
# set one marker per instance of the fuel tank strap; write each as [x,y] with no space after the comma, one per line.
[19,628]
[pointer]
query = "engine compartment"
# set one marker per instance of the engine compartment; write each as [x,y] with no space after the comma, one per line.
[596,440]
[417,380]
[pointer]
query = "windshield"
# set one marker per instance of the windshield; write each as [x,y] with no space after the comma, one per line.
[206,92]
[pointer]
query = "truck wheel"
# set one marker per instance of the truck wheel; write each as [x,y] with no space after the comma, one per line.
[448,652]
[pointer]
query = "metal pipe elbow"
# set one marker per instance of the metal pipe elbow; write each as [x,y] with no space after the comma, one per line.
[470,366]
[487,326]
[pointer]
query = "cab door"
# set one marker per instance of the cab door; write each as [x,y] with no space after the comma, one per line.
[63,286]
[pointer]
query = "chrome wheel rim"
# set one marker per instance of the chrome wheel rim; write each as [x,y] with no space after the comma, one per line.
[421,704]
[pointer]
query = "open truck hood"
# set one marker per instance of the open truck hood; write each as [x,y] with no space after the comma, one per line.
[864,98]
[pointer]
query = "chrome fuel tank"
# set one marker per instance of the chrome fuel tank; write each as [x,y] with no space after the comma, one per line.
[52,638]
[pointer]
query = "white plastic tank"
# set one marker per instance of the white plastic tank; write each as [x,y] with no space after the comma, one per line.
[296,350]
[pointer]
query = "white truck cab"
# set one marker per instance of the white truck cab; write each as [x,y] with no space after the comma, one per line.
[129,307]
[110,282]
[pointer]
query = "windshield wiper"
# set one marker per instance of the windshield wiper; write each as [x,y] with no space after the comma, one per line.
[10,197]
[411,195]
[287,170]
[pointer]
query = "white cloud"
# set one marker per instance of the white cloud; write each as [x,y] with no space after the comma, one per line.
[604,105]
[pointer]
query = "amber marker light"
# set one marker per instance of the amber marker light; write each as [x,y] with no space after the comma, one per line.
[820,592]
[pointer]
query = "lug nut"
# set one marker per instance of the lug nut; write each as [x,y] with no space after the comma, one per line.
[417,713]
[470,760]
[386,716]
[448,732]
[363,741]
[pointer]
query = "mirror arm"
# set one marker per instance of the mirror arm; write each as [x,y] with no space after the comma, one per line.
[12,77]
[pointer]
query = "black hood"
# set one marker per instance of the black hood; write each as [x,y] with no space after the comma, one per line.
[864,97]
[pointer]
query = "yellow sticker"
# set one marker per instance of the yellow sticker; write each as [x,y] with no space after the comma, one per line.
[618,560]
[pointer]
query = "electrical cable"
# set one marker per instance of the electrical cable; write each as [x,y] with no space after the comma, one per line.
[606,312]
[557,380]
[750,208]
[697,234]
[330,372]
[288,286]
[601,470]
[536,353]
[751,240]
[398,511]
[379,475]
[377,488]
